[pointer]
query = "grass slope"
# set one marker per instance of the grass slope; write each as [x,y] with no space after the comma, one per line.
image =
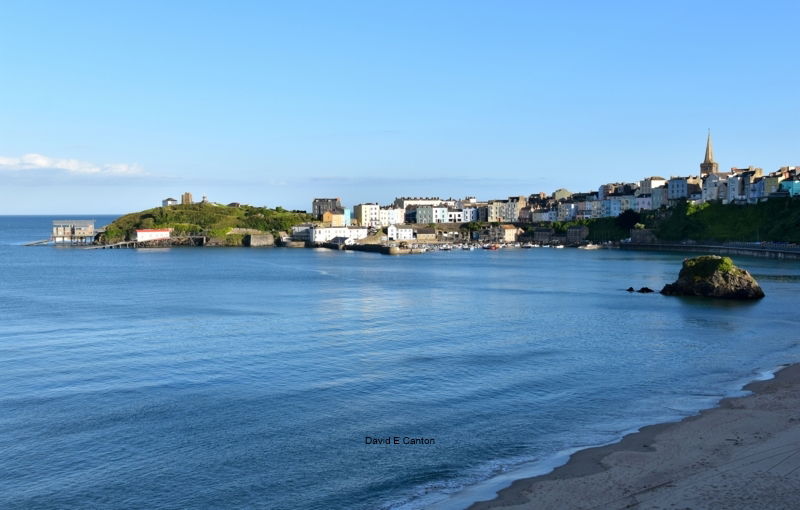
[777,219]
[206,219]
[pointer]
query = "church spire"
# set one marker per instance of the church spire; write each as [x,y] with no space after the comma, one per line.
[709,166]
[709,150]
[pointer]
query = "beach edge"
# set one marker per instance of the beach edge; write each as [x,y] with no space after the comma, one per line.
[602,476]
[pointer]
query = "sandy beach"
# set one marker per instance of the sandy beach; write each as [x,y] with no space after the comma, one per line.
[745,453]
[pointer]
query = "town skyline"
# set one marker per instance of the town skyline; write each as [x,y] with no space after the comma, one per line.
[272,104]
[752,184]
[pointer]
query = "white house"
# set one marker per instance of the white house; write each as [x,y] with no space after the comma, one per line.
[391,216]
[168,202]
[400,233]
[153,234]
[712,183]
[326,234]
[455,216]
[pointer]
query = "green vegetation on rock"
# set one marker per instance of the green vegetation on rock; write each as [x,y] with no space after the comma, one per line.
[706,265]
[205,219]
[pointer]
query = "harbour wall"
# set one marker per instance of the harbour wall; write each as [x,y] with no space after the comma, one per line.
[771,253]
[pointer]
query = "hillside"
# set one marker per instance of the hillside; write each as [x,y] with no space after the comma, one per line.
[777,219]
[205,219]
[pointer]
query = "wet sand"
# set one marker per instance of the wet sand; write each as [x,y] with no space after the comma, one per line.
[742,454]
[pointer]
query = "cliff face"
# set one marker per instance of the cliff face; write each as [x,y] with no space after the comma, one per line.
[713,276]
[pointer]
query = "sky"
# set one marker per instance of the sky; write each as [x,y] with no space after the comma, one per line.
[110,107]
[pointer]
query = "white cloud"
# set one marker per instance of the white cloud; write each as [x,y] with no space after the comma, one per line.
[32,162]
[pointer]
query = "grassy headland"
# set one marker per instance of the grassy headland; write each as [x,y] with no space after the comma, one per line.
[215,221]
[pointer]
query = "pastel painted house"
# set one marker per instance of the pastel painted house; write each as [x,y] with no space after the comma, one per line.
[508,233]
[335,218]
[791,186]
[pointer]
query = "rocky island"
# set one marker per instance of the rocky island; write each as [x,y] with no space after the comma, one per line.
[714,276]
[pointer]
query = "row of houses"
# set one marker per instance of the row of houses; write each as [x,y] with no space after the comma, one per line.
[738,186]
[424,210]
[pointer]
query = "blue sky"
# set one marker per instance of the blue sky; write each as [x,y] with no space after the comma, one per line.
[108,107]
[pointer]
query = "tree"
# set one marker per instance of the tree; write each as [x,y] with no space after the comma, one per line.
[628,219]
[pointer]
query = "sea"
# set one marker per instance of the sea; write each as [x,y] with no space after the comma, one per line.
[265,377]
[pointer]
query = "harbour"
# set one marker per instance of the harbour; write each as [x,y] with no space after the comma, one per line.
[467,347]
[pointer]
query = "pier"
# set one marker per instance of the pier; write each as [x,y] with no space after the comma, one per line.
[121,244]
[154,243]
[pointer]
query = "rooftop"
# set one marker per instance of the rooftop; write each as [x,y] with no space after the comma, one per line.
[74,223]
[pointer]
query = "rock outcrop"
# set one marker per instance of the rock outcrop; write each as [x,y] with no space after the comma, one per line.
[643,290]
[713,276]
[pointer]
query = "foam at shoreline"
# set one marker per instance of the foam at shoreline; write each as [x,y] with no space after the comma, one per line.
[586,463]
[486,489]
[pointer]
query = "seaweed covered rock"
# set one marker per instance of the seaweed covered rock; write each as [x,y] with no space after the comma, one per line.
[713,276]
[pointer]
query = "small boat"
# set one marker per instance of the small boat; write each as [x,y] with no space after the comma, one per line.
[491,247]
[589,246]
[558,246]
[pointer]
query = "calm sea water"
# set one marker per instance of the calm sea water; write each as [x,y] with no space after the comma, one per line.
[249,378]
